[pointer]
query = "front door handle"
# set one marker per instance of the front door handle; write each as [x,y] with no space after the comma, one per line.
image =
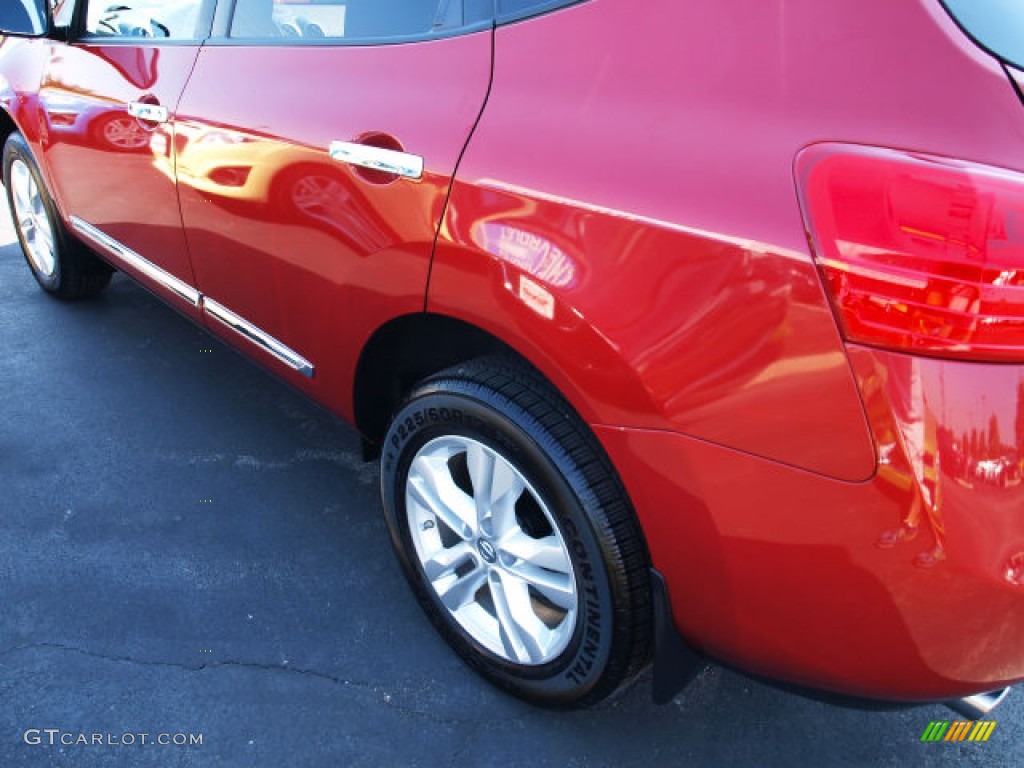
[378,159]
[151,113]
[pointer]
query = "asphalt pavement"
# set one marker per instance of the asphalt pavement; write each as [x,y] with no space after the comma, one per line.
[192,551]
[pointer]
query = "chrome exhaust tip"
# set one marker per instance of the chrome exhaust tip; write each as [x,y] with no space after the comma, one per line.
[978,706]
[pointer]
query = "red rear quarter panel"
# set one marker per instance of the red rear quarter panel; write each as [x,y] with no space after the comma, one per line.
[637,167]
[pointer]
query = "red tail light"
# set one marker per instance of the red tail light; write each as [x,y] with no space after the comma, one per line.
[919,253]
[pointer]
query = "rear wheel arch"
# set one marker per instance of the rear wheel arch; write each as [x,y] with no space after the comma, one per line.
[404,351]
[408,348]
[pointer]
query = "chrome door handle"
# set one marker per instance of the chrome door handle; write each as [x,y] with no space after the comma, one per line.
[378,159]
[152,113]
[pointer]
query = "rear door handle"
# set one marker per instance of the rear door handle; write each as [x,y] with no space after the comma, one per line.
[378,159]
[151,113]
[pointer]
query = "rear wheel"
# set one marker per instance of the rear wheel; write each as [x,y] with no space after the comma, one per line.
[516,534]
[60,264]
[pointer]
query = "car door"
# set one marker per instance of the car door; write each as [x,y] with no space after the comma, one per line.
[107,104]
[317,142]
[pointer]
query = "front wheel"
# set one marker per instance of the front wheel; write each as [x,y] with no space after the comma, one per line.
[59,263]
[516,534]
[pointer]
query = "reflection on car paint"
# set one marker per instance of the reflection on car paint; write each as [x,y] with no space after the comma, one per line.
[280,180]
[931,445]
[87,119]
[531,252]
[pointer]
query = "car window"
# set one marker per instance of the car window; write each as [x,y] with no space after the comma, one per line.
[353,20]
[996,25]
[510,10]
[158,19]
[63,12]
[23,17]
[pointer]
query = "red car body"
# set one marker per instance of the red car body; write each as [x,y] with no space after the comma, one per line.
[622,194]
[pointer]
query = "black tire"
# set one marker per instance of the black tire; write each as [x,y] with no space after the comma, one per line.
[76,272]
[510,410]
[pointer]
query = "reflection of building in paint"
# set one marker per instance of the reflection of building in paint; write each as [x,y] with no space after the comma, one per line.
[532,253]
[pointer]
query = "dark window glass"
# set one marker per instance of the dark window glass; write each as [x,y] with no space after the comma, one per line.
[23,17]
[997,25]
[348,19]
[517,9]
[158,19]
[507,7]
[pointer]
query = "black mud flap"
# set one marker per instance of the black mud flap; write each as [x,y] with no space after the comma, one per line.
[676,662]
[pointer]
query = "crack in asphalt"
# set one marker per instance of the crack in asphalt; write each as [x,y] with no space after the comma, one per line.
[385,698]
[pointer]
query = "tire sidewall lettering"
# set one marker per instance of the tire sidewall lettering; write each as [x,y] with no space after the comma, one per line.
[582,663]
[404,430]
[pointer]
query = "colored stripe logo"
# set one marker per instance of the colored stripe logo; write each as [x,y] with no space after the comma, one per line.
[958,730]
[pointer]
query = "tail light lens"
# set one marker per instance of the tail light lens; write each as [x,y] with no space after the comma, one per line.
[919,253]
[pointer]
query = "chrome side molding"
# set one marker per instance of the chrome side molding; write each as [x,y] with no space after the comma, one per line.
[132,259]
[152,113]
[378,159]
[265,341]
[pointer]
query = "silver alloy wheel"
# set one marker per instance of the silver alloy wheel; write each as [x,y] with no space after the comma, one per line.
[32,220]
[491,550]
